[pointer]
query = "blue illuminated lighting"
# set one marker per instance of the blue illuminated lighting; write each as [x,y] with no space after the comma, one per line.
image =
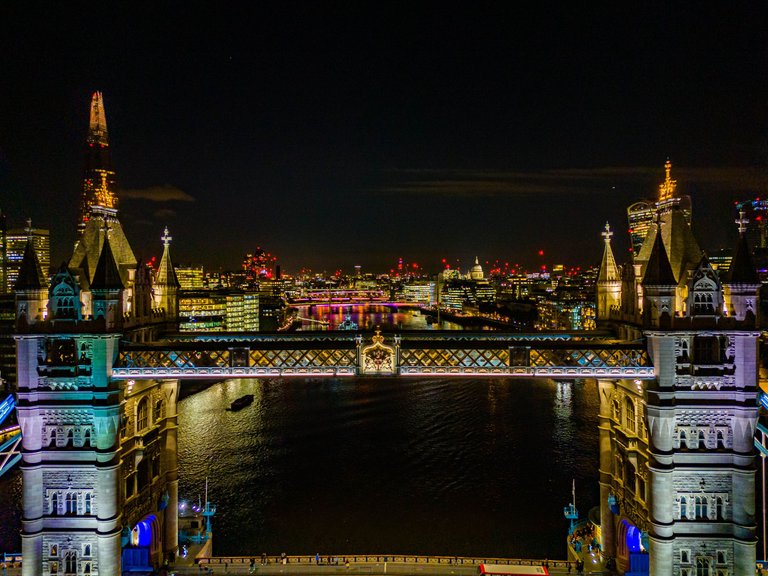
[764,400]
[633,537]
[144,531]
[6,406]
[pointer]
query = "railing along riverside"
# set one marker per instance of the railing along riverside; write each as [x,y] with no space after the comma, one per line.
[341,560]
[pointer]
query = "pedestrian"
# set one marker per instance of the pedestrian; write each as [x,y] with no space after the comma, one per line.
[263,558]
[317,558]
[252,566]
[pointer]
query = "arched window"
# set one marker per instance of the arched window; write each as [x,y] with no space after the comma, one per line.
[88,507]
[52,438]
[70,441]
[701,507]
[157,411]
[87,568]
[683,507]
[702,440]
[616,410]
[703,567]
[630,414]
[87,550]
[71,504]
[142,415]
[720,439]
[719,508]
[55,504]
[683,440]
[720,557]
[70,562]
[87,437]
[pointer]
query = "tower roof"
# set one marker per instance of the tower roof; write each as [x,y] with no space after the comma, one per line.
[30,275]
[609,272]
[166,275]
[106,276]
[742,270]
[658,271]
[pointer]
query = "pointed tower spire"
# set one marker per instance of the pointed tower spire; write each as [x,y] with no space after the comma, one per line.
[658,271]
[609,272]
[609,280]
[30,274]
[99,178]
[166,283]
[106,276]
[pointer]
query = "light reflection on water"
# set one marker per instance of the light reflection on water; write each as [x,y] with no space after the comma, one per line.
[368,317]
[452,466]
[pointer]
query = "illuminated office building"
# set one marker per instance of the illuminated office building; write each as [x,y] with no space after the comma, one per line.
[14,242]
[99,177]
[641,215]
[224,310]
[419,293]
[190,277]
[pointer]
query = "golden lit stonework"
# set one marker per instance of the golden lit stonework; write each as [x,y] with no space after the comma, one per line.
[667,188]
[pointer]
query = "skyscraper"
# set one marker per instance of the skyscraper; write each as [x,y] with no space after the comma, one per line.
[99,177]
[641,215]
[12,245]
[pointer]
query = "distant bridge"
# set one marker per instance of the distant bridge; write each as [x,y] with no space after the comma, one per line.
[340,296]
[429,353]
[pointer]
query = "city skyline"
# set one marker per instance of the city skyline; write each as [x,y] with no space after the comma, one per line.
[340,137]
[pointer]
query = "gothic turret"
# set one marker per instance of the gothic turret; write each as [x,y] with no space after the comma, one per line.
[704,292]
[166,283]
[107,288]
[741,287]
[31,290]
[609,280]
[659,286]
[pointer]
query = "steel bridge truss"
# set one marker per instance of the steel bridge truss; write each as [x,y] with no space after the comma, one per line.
[406,354]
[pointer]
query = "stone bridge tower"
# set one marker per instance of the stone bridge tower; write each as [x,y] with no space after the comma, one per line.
[677,455]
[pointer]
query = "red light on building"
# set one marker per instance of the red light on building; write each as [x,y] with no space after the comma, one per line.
[541,252]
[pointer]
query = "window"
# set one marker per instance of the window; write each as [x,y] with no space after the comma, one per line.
[52,438]
[157,411]
[71,504]
[87,550]
[54,567]
[630,412]
[70,562]
[683,440]
[54,550]
[616,410]
[54,510]
[88,510]
[719,508]
[703,567]
[701,507]
[721,557]
[685,556]
[683,507]
[141,415]
[702,440]
[87,437]
[70,441]
[87,568]
[720,439]
[706,350]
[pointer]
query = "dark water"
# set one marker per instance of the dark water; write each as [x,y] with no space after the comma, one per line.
[367,317]
[458,467]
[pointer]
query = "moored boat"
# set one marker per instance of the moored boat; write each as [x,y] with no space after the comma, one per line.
[241,402]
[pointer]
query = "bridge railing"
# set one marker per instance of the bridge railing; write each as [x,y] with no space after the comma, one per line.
[341,560]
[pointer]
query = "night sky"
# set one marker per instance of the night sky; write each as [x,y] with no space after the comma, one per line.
[335,134]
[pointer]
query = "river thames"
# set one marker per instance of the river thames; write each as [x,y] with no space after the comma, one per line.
[383,465]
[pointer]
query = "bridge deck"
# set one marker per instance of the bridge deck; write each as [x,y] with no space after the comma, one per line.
[448,353]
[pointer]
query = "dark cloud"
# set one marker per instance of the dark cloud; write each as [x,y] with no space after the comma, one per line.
[164,213]
[471,183]
[165,193]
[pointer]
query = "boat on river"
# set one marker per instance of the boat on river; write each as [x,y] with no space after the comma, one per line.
[241,402]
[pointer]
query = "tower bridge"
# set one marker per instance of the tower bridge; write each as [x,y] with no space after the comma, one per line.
[98,365]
